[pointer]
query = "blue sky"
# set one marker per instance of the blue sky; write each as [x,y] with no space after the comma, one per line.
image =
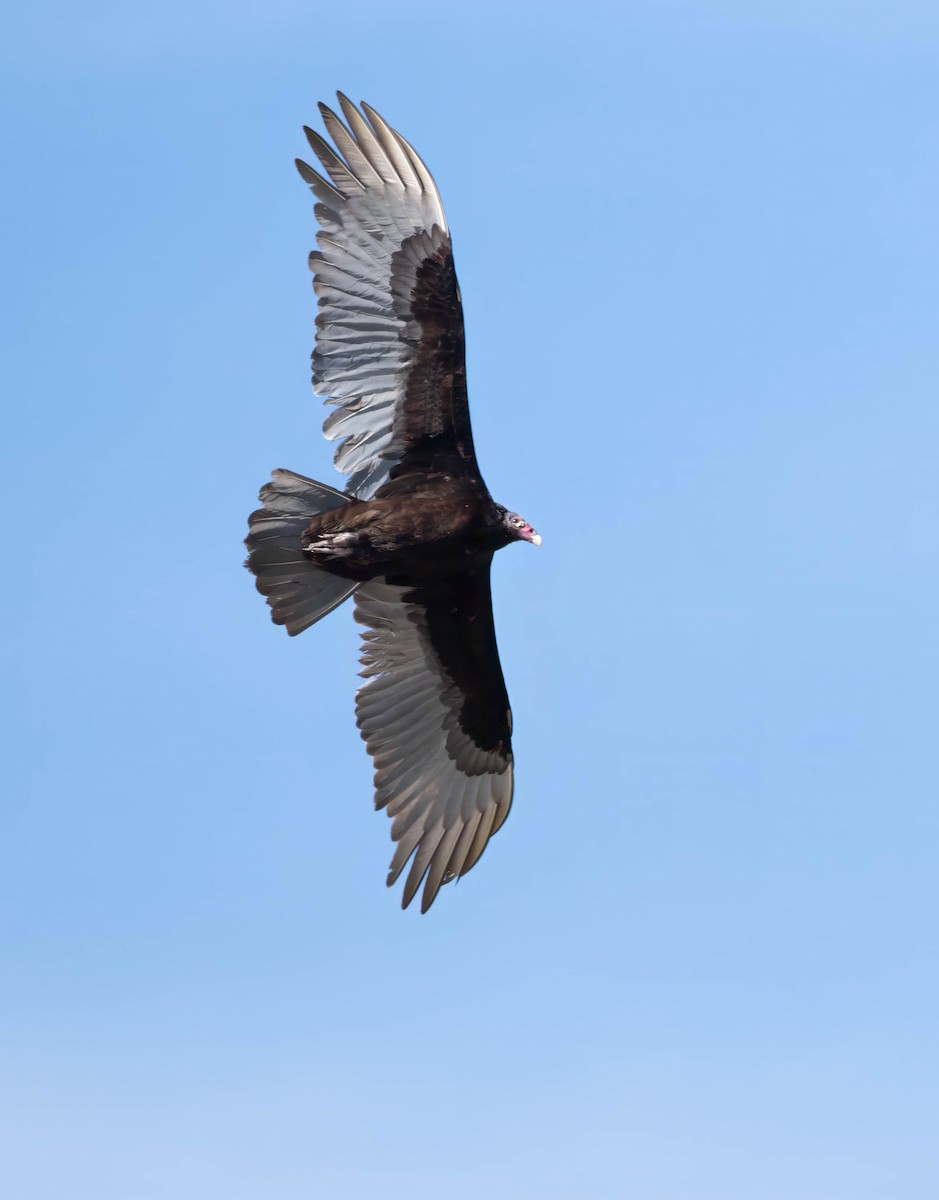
[698,253]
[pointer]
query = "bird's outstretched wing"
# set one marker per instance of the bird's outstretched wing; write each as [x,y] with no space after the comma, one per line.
[389,344]
[435,716]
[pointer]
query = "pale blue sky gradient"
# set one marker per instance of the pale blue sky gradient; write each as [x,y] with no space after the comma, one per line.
[698,252]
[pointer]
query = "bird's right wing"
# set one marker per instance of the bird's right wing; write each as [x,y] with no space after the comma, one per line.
[435,716]
[390,351]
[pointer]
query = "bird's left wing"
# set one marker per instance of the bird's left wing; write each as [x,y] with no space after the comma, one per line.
[435,716]
[390,351]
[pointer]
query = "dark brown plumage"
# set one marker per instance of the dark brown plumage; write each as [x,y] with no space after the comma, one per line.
[413,536]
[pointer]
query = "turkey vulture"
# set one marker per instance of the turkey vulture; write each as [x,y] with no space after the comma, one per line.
[413,535]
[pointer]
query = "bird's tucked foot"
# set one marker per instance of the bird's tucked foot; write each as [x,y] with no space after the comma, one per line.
[323,547]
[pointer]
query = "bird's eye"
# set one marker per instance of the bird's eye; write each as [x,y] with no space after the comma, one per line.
[518,522]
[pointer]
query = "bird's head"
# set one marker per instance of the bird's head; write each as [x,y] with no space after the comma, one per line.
[518,529]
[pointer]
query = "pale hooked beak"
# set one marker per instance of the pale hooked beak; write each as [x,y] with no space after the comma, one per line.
[530,536]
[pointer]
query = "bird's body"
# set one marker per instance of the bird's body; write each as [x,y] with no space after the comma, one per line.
[414,528]
[413,536]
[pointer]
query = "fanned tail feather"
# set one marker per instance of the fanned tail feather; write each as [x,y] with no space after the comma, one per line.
[299,592]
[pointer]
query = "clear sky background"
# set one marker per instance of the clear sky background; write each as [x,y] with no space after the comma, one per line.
[698,252]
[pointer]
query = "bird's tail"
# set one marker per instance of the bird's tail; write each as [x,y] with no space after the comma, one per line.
[298,591]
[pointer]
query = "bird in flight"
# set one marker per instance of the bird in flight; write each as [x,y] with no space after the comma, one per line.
[411,538]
